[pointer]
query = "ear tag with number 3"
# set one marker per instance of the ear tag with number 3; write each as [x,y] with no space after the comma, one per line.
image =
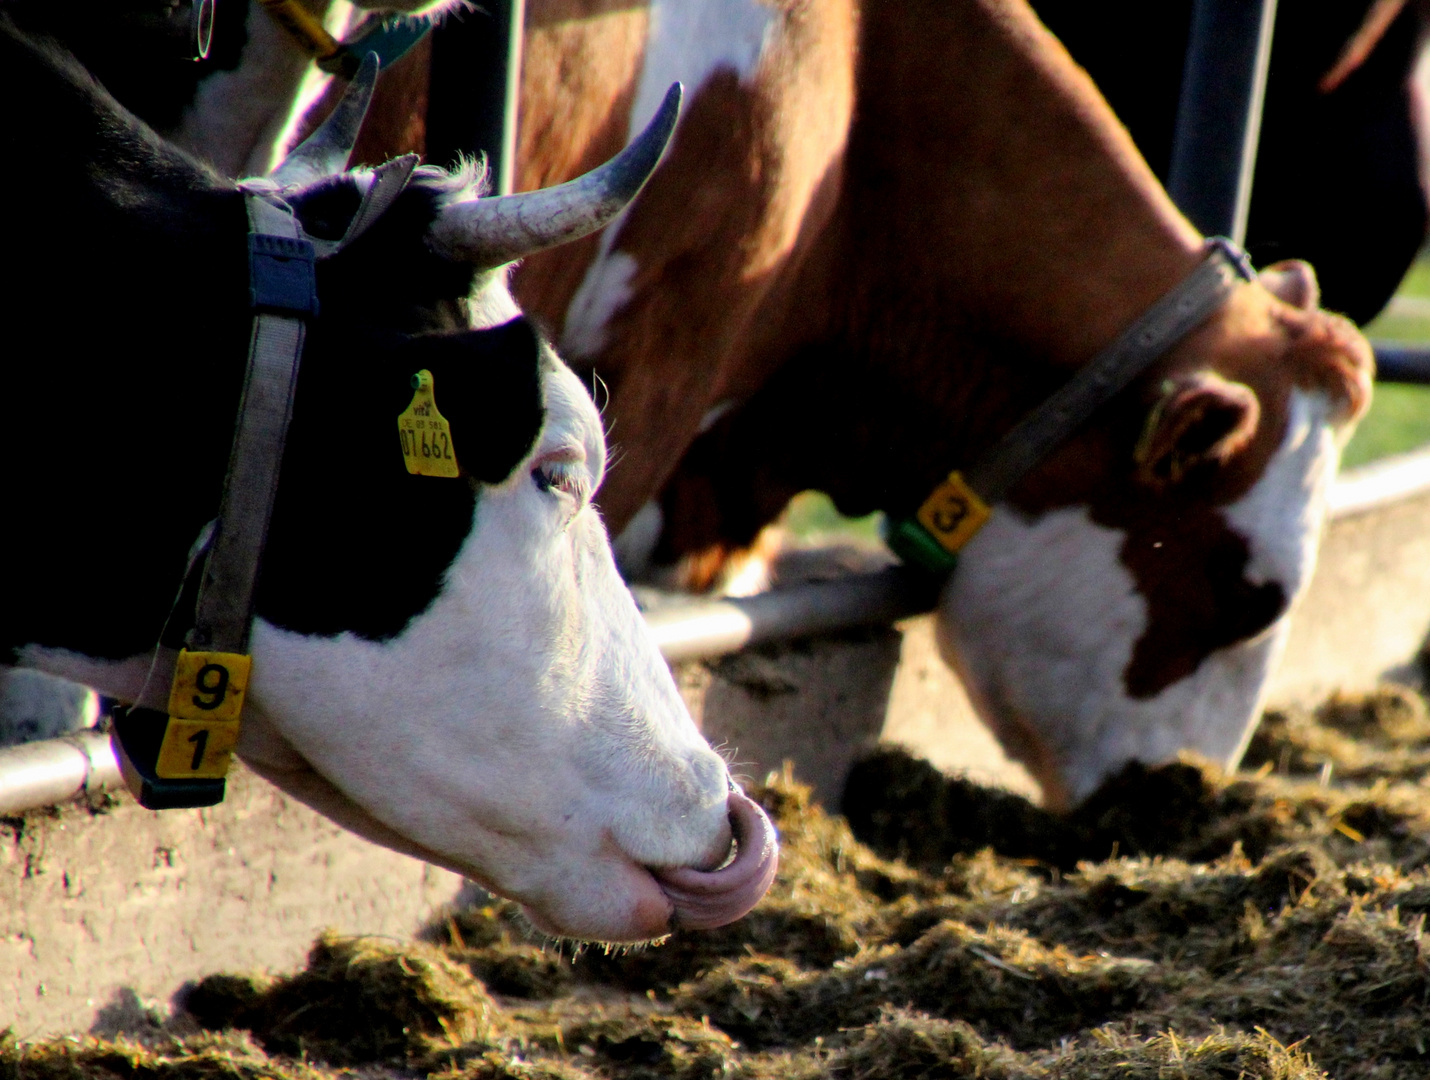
[426,436]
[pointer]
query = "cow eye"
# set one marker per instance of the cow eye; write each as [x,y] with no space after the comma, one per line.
[560,474]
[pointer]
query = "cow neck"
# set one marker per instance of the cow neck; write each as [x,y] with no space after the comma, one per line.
[958,507]
[175,744]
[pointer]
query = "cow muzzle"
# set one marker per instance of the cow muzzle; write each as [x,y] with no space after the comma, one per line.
[706,899]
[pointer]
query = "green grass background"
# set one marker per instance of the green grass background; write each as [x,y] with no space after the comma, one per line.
[1399,420]
[1399,417]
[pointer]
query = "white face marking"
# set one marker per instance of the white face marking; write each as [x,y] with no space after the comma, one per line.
[1041,619]
[1281,515]
[688,41]
[491,303]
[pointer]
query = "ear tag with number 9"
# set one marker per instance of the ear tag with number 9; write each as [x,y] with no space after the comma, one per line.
[426,436]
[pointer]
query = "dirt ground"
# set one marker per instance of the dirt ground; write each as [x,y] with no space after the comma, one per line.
[1180,924]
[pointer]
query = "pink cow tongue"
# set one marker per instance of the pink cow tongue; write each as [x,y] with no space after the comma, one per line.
[705,899]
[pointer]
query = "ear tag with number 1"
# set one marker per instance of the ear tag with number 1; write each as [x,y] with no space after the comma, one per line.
[426,436]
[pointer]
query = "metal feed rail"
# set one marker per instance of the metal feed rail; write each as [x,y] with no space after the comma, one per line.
[58,770]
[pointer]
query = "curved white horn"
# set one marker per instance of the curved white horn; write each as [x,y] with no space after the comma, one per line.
[325,152]
[493,231]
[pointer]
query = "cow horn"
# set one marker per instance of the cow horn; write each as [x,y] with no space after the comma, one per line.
[325,152]
[492,231]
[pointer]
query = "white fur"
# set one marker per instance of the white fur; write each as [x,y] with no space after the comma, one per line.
[523,730]
[1041,618]
[688,41]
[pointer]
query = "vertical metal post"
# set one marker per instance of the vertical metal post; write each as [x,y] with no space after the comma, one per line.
[476,78]
[1219,117]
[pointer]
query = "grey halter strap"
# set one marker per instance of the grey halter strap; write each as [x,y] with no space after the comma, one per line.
[223,568]
[997,471]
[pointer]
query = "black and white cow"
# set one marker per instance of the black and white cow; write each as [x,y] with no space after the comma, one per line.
[450,667]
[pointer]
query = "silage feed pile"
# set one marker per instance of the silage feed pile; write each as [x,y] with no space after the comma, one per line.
[1182,924]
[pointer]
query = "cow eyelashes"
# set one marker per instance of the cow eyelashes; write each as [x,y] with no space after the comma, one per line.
[561,474]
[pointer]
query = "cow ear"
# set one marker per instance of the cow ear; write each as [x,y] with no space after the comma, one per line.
[487,384]
[1201,419]
[1293,281]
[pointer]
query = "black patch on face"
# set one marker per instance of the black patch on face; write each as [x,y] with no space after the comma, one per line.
[357,543]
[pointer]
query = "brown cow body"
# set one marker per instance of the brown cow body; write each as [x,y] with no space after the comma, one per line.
[886,237]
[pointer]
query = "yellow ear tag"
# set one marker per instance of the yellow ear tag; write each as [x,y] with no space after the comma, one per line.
[426,436]
[953,513]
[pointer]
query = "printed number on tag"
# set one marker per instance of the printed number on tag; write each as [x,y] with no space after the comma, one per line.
[953,513]
[209,685]
[197,749]
[426,436]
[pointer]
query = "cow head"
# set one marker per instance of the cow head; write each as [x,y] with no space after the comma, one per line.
[1131,599]
[453,665]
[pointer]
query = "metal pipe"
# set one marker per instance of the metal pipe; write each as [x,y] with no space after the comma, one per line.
[1401,363]
[701,629]
[56,770]
[1219,113]
[688,630]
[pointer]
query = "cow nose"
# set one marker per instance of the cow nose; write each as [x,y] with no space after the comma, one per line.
[709,772]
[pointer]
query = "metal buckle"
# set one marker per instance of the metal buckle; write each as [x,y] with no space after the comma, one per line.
[1234,254]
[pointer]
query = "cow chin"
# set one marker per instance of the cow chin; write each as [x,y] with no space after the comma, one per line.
[1042,617]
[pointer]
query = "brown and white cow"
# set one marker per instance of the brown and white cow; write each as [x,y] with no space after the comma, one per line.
[886,231]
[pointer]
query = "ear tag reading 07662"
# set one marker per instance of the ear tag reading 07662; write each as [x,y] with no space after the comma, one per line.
[426,436]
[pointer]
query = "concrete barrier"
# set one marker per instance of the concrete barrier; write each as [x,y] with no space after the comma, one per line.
[104,916]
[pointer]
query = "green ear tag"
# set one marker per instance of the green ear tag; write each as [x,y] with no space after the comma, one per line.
[426,436]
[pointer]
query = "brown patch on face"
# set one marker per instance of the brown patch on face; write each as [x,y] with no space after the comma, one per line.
[580,64]
[1198,598]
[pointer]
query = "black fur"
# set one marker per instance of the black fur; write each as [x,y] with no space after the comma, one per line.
[126,312]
